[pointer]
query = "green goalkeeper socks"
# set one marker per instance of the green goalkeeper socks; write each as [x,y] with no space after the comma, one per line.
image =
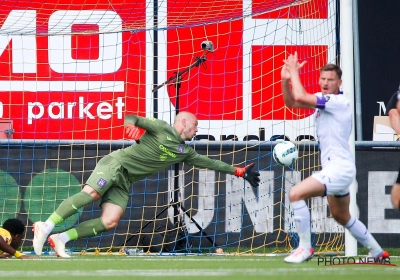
[87,229]
[70,206]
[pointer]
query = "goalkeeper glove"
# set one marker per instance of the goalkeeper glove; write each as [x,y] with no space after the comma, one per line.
[132,132]
[250,176]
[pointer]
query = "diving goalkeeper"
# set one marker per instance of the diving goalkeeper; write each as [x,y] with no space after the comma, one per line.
[160,146]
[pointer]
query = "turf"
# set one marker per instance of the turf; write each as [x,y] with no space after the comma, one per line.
[189,267]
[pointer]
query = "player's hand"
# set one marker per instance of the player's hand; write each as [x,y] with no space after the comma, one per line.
[132,132]
[253,177]
[5,256]
[292,63]
[27,257]
[285,74]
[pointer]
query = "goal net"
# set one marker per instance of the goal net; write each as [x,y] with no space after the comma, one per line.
[71,70]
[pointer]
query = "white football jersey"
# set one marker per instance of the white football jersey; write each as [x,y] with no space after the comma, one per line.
[334,120]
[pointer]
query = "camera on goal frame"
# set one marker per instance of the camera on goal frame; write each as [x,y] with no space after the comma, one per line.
[207,46]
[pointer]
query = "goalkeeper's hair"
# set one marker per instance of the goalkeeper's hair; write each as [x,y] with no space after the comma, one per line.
[14,226]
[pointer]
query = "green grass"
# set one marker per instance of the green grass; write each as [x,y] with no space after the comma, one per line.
[188,267]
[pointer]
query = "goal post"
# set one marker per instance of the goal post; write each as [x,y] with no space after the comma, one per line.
[71,70]
[347,64]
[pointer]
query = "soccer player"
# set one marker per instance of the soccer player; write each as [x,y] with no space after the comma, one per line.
[333,127]
[160,146]
[10,239]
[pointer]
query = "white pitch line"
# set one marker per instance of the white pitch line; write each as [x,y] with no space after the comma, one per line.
[197,272]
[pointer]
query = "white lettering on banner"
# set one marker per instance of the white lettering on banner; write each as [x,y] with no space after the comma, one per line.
[320,222]
[382,107]
[64,86]
[24,50]
[104,110]
[258,202]
[206,197]
[379,201]
[1,109]
[23,46]
[110,41]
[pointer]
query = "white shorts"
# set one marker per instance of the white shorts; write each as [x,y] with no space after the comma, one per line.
[337,176]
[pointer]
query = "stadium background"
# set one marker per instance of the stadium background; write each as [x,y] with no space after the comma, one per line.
[379,35]
[380,76]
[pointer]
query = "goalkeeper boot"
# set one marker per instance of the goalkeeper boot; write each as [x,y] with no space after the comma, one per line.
[39,237]
[300,255]
[58,245]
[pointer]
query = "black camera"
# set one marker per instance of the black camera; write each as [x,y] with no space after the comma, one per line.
[207,45]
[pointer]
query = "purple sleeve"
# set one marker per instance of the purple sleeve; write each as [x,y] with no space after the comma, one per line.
[321,102]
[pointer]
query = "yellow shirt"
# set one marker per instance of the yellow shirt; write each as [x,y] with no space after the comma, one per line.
[6,235]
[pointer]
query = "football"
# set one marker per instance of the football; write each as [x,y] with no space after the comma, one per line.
[285,153]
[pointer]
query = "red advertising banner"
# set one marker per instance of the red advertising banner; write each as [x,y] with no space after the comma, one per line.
[55,85]
[73,69]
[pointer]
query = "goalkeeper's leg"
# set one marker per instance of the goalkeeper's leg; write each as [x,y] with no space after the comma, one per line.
[109,219]
[66,209]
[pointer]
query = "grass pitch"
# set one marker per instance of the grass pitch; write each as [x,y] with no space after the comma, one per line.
[189,267]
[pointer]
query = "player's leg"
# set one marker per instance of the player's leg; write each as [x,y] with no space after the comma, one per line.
[66,209]
[396,192]
[309,187]
[113,204]
[109,219]
[101,179]
[339,207]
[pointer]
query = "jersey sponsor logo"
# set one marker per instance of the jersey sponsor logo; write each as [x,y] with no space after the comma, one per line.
[168,152]
[181,149]
[101,182]
[163,157]
[169,138]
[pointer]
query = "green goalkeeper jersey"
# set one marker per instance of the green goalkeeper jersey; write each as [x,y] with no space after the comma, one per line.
[160,147]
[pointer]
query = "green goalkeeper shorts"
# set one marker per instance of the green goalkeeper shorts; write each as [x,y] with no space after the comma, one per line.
[110,179]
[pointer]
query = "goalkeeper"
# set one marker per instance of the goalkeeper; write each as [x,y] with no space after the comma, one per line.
[160,146]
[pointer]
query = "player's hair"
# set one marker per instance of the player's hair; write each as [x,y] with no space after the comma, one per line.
[14,226]
[332,67]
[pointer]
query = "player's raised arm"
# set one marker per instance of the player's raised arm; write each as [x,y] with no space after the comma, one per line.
[297,97]
[286,90]
[134,126]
